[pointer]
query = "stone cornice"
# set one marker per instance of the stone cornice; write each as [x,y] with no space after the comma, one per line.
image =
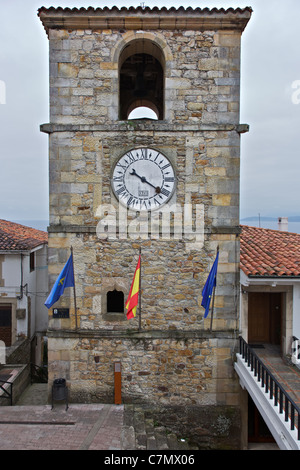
[142,125]
[69,228]
[144,18]
[143,335]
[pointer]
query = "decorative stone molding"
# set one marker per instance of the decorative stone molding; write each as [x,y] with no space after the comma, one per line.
[144,18]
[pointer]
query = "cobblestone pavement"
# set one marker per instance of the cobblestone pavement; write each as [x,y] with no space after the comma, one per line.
[32,424]
[81,427]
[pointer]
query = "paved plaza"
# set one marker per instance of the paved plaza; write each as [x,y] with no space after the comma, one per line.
[81,427]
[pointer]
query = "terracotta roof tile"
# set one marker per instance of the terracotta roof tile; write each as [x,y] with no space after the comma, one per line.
[139,17]
[19,237]
[269,253]
[144,10]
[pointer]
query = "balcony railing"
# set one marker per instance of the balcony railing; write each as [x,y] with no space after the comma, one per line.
[271,385]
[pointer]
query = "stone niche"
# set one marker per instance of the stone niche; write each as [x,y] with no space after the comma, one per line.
[114,292]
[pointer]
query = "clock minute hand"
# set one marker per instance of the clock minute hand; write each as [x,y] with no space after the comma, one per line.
[142,178]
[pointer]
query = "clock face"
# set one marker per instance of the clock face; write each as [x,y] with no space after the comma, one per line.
[143,179]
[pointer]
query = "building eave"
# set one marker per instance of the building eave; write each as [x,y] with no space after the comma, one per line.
[267,280]
[144,18]
[15,252]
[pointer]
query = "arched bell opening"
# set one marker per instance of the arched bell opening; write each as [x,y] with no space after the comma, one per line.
[141,78]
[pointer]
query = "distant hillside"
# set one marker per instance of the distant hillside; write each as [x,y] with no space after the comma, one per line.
[272,223]
[294,218]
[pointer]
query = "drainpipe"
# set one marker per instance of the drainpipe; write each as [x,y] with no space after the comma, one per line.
[20,297]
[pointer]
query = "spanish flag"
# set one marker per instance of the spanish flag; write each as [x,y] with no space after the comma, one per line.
[133,296]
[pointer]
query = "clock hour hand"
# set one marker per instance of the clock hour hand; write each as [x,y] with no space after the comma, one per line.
[143,179]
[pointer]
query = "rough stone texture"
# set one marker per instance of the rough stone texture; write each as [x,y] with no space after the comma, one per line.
[208,428]
[206,162]
[157,367]
[172,279]
[202,74]
[175,360]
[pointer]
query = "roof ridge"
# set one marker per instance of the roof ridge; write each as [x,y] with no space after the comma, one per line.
[145,9]
[270,229]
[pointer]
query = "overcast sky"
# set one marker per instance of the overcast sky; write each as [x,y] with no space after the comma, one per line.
[270,161]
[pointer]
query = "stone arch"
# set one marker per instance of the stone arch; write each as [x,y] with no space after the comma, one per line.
[142,70]
[143,102]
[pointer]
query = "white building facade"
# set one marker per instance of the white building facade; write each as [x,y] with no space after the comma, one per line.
[23,286]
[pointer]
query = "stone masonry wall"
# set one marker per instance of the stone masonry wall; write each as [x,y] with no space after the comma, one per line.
[172,282]
[202,72]
[156,368]
[206,163]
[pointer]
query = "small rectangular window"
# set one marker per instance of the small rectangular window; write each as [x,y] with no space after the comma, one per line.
[115,302]
[32,261]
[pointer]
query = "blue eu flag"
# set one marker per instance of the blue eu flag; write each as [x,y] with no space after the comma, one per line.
[209,286]
[65,279]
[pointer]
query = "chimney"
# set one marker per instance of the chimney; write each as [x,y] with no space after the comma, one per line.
[283,225]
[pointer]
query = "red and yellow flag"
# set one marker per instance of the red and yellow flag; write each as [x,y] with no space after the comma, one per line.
[133,296]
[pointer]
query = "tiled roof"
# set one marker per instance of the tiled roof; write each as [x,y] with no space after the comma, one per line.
[144,10]
[133,18]
[269,253]
[17,237]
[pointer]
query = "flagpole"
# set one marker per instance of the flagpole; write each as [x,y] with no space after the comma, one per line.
[140,293]
[213,301]
[212,310]
[74,290]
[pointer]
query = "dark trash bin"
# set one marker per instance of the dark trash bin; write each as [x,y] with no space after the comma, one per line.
[60,391]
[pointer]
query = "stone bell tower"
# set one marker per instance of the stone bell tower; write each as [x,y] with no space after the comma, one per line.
[168,186]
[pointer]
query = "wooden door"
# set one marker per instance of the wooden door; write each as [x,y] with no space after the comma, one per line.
[258,317]
[275,318]
[264,317]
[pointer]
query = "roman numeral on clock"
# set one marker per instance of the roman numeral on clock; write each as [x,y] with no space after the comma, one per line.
[121,190]
[131,200]
[165,166]
[165,192]
[144,154]
[122,166]
[131,157]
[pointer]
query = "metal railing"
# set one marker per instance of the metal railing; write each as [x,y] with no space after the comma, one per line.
[7,393]
[272,387]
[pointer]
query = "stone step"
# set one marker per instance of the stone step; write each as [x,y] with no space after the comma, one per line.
[141,433]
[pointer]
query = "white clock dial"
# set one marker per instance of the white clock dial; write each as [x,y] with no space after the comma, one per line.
[143,179]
